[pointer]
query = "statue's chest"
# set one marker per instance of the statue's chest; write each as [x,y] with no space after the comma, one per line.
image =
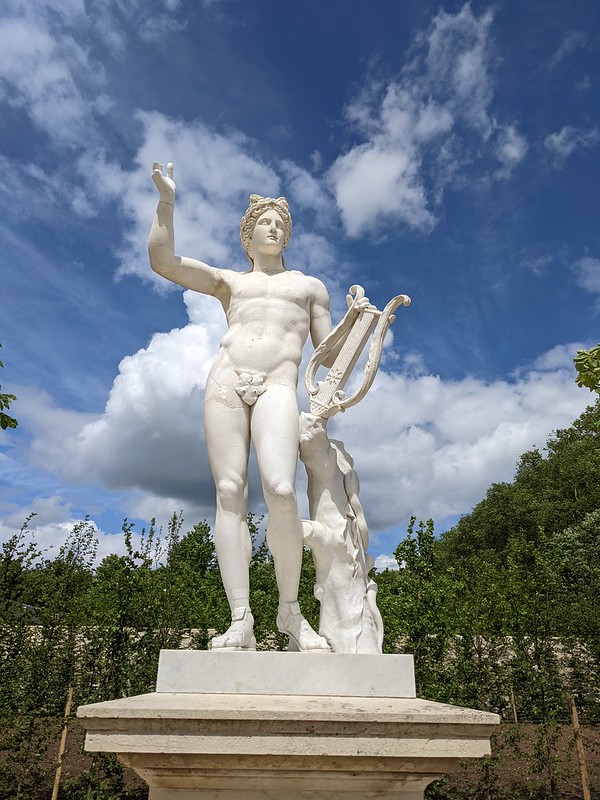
[286,288]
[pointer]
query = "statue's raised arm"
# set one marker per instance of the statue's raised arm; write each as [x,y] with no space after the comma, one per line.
[187,272]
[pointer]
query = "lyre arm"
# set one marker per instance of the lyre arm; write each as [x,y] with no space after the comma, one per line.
[383,324]
[332,339]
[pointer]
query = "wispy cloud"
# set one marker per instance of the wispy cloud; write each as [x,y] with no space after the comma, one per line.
[587,275]
[512,147]
[585,84]
[153,29]
[564,142]
[221,171]
[420,130]
[458,60]
[54,59]
[52,79]
[308,191]
[570,43]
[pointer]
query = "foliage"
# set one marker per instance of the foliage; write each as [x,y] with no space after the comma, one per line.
[422,598]
[587,364]
[6,421]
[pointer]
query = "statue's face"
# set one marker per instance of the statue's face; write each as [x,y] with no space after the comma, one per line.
[268,233]
[312,428]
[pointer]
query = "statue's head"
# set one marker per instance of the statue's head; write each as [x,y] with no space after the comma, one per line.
[257,207]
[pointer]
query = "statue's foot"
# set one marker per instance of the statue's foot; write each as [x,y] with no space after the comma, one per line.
[239,635]
[302,638]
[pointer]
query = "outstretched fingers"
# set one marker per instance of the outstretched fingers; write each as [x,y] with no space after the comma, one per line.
[164,183]
[157,167]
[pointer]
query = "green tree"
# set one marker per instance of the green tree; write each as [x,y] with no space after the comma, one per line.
[480,647]
[124,625]
[188,584]
[18,557]
[575,557]
[40,653]
[416,602]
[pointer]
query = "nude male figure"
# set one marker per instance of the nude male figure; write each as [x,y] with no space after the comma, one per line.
[251,395]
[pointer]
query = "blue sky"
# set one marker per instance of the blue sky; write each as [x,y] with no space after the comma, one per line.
[449,151]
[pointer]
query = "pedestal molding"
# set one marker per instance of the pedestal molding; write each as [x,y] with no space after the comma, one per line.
[234,746]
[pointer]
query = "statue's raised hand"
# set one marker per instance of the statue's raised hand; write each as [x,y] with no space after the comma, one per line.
[164,183]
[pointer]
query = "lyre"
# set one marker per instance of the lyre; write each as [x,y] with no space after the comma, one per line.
[327,397]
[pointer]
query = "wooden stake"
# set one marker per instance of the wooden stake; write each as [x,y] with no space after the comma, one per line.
[513,705]
[63,744]
[585,784]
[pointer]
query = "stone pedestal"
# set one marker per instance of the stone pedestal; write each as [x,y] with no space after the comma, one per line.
[285,726]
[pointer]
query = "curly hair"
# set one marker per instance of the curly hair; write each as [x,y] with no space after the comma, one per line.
[258,205]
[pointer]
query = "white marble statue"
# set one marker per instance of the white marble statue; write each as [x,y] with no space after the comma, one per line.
[251,395]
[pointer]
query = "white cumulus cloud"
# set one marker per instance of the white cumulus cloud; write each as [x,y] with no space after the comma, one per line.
[50,535]
[385,561]
[153,419]
[422,445]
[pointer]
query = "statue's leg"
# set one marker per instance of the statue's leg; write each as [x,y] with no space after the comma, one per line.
[275,434]
[228,444]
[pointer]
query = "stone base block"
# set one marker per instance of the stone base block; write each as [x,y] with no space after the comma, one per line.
[329,674]
[232,745]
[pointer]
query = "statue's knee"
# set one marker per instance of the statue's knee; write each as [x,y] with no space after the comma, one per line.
[230,493]
[282,493]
